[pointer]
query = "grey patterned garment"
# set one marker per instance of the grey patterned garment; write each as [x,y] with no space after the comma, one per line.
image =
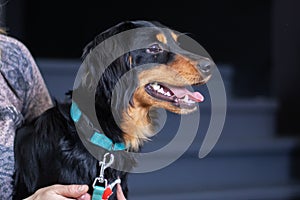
[23,95]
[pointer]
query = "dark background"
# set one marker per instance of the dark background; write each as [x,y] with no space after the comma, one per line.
[235,32]
[258,39]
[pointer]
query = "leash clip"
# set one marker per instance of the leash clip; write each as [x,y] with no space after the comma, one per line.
[98,180]
[101,187]
[103,165]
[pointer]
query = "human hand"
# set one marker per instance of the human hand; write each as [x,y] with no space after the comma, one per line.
[61,192]
[120,195]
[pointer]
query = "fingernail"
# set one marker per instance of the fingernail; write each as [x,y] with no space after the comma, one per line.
[82,197]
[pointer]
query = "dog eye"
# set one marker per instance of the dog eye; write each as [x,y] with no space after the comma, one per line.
[155,48]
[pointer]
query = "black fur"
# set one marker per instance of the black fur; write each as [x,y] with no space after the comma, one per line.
[48,150]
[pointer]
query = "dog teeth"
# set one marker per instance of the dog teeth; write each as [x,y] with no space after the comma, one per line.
[159,89]
[155,86]
[187,100]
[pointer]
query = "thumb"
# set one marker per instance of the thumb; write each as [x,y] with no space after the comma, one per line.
[120,195]
[74,191]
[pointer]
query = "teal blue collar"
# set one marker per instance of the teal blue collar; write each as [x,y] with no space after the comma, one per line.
[99,139]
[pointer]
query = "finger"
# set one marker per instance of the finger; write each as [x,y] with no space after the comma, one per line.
[120,194]
[85,197]
[74,191]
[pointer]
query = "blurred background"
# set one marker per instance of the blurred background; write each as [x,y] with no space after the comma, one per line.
[256,46]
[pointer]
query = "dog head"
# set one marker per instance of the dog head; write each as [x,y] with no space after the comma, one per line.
[153,72]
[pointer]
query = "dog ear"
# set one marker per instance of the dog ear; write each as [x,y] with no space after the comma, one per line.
[125,82]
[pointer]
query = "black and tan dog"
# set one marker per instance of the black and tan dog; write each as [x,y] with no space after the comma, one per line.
[49,149]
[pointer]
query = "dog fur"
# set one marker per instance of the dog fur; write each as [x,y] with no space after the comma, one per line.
[48,149]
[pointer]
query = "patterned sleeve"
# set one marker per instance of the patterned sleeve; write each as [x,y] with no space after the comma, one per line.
[23,95]
[37,97]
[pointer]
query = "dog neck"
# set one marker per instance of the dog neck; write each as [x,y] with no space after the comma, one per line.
[91,133]
[137,126]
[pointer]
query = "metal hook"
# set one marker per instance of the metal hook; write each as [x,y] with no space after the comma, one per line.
[103,165]
[111,160]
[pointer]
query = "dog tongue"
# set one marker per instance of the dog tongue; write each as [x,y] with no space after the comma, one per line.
[180,92]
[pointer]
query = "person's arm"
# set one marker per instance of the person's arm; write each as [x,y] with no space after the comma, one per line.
[11,102]
[37,98]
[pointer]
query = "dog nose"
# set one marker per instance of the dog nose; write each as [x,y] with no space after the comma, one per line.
[205,65]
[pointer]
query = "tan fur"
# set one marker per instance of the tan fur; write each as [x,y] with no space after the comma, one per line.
[136,123]
[174,36]
[162,38]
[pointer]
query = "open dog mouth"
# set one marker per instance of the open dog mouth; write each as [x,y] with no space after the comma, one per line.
[178,96]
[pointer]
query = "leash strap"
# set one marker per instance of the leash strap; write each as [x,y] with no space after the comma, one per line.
[103,193]
[98,192]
